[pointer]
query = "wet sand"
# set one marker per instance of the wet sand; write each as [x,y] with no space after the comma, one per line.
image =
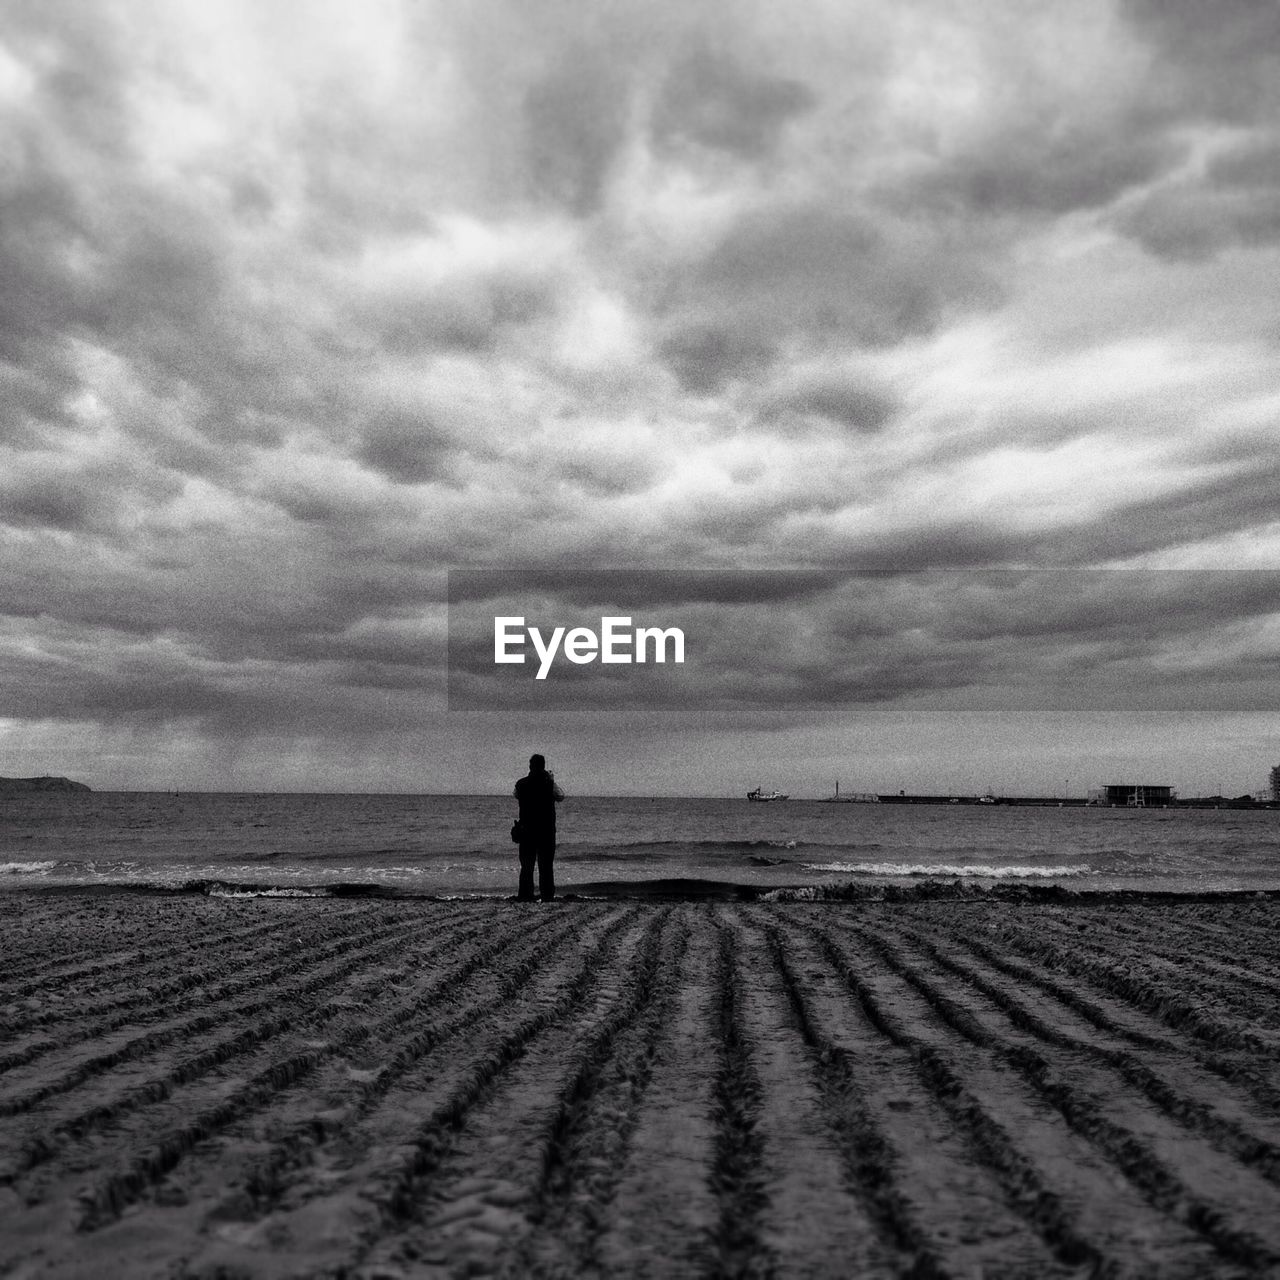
[201,1086]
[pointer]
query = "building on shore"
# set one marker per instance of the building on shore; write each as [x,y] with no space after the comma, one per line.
[1132,795]
[1275,784]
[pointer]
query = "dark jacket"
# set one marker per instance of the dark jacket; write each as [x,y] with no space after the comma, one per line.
[537,794]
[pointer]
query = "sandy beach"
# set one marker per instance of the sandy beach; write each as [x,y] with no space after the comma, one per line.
[193,1086]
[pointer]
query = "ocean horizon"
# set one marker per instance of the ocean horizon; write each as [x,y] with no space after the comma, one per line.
[458,845]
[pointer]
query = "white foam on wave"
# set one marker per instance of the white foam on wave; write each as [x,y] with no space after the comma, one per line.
[944,869]
[270,891]
[26,868]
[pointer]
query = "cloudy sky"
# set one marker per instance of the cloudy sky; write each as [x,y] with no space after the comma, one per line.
[304,303]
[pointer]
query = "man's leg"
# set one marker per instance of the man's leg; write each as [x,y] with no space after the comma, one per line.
[528,856]
[546,870]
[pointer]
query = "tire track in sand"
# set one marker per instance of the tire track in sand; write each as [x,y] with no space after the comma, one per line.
[1158,1183]
[55,1132]
[1201,1117]
[105,1201]
[737,1169]
[588,1138]
[1042,1184]
[359,1192]
[400,1191]
[1115,1017]
[148,955]
[1030,1224]
[223,971]
[279,1172]
[664,1208]
[344,957]
[817,1213]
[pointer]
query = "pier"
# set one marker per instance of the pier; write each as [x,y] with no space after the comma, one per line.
[1024,801]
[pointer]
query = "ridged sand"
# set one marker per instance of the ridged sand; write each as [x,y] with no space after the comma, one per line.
[194,1086]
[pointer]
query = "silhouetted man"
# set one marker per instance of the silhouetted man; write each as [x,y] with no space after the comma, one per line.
[538,795]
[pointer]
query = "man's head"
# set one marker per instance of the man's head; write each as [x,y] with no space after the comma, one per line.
[537,763]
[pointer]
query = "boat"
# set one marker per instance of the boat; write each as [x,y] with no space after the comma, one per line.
[761,794]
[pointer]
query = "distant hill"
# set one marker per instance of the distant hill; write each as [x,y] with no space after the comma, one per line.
[41,784]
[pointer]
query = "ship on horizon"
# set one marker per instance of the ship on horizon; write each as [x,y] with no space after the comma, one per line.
[761,794]
[855,797]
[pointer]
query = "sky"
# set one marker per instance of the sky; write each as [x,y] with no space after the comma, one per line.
[305,304]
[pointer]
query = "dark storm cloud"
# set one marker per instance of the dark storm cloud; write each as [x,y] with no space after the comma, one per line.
[95,498]
[1236,202]
[1252,166]
[598,471]
[1050,169]
[84,252]
[944,543]
[1131,133]
[837,396]
[809,255]
[590,588]
[712,100]
[1189,511]
[568,91]
[577,116]
[1131,608]
[706,355]
[1226,54]
[56,502]
[407,448]
[1200,509]
[102,250]
[466,310]
[42,226]
[1218,65]
[826,275]
[32,407]
[151,686]
[228,639]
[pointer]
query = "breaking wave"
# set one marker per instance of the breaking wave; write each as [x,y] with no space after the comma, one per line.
[265,891]
[948,871]
[620,846]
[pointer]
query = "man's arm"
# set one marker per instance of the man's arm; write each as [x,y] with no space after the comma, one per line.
[555,787]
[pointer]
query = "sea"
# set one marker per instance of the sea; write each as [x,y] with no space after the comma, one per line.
[459,846]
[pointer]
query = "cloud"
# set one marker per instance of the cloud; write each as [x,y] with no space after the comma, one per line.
[1199,510]
[711,100]
[1224,57]
[1215,89]
[576,118]
[404,447]
[89,499]
[302,307]
[1051,168]
[706,355]
[1232,203]
[809,276]
[837,395]
[462,287]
